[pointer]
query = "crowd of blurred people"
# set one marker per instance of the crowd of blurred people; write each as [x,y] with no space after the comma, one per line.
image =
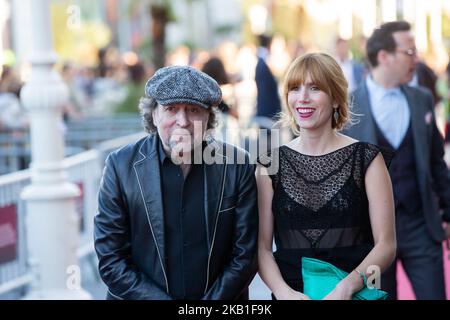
[248,75]
[11,112]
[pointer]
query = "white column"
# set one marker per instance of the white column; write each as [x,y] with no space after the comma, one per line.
[436,22]
[370,17]
[258,18]
[21,20]
[208,24]
[4,15]
[52,223]
[440,55]
[421,26]
[409,10]
[123,29]
[345,19]
[388,10]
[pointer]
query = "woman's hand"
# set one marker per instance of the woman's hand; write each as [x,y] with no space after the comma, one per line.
[339,293]
[291,294]
[345,289]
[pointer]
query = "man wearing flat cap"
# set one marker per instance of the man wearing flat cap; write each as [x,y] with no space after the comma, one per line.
[172,224]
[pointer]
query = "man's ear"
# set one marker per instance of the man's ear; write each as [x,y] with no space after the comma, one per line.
[155,116]
[382,56]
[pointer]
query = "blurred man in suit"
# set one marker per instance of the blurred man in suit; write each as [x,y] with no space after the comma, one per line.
[353,70]
[268,103]
[171,225]
[401,117]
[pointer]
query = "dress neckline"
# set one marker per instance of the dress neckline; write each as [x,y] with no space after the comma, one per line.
[322,155]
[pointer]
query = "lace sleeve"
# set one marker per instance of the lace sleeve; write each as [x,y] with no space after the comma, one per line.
[371,151]
[388,154]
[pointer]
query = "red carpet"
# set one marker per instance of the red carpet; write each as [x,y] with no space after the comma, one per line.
[405,291]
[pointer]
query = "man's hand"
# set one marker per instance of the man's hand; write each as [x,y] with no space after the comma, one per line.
[447,230]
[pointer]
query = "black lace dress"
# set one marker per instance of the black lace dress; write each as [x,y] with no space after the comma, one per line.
[320,207]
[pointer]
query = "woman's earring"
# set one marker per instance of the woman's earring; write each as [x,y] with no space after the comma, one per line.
[336,115]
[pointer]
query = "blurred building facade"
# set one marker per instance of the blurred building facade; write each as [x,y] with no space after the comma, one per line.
[318,23]
[81,25]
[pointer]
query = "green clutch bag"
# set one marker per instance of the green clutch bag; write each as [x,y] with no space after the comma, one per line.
[320,278]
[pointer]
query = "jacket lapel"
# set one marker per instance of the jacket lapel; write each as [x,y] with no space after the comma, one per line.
[147,173]
[365,128]
[419,129]
[214,187]
[148,177]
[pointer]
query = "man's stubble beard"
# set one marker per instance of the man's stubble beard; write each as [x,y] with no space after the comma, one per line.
[184,153]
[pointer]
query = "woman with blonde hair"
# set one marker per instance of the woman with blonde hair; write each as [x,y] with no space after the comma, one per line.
[329,197]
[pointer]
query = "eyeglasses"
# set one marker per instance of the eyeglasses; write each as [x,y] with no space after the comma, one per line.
[409,52]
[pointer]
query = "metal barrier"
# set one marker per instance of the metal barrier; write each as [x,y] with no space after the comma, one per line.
[84,169]
[14,273]
[79,135]
[87,132]
[14,150]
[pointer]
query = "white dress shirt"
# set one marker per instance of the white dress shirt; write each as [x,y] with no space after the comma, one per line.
[347,68]
[390,110]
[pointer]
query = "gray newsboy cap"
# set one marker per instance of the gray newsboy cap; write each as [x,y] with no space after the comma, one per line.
[183,84]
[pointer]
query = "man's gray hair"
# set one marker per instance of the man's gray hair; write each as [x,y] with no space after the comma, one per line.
[148,104]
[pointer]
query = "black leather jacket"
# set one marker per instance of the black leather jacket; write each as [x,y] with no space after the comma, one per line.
[129,226]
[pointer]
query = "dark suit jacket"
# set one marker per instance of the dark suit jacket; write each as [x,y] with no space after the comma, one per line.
[129,226]
[267,100]
[358,72]
[432,173]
